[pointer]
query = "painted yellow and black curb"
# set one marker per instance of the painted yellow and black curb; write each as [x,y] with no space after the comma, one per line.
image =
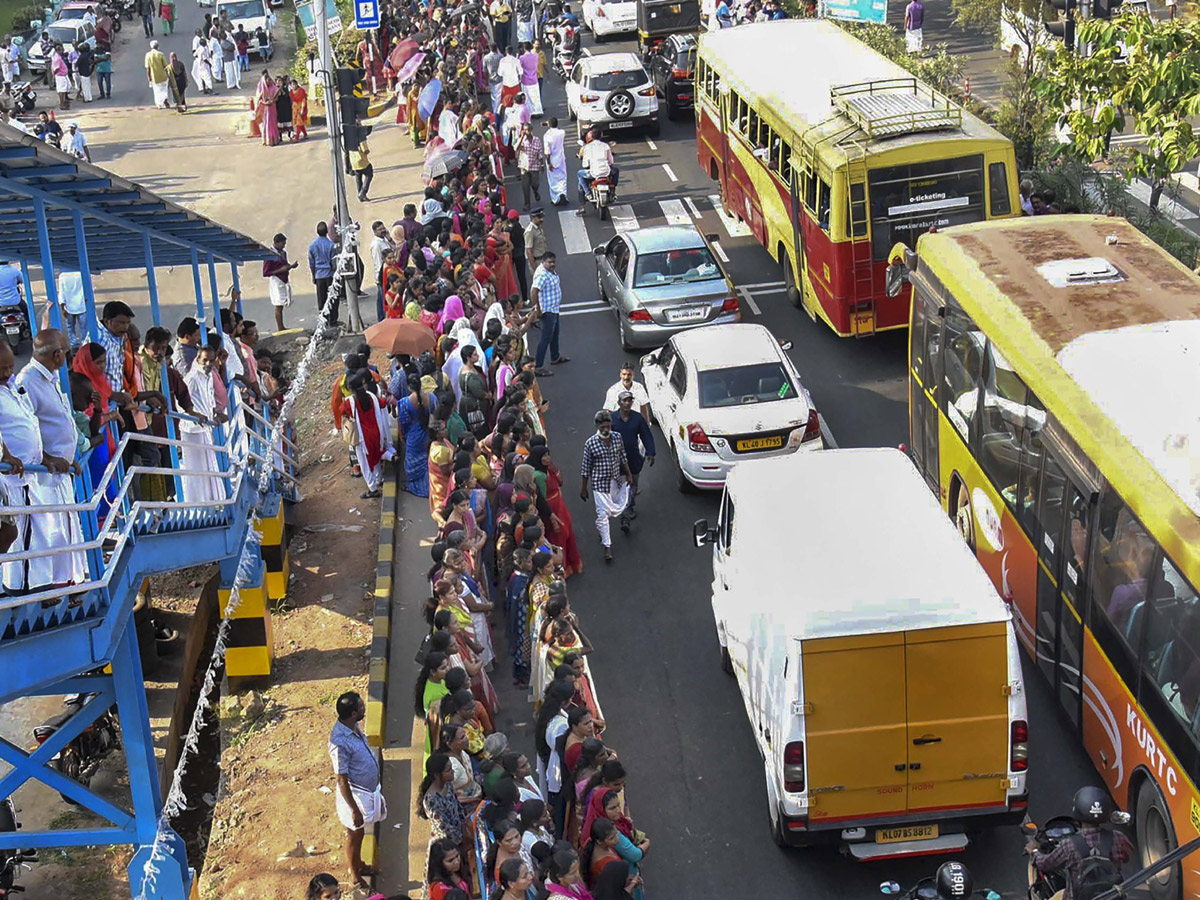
[376,721]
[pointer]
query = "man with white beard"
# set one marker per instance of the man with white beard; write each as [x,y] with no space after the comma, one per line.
[198,452]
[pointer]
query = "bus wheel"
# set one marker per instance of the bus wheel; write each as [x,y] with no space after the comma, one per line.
[963,520]
[726,661]
[1156,838]
[794,294]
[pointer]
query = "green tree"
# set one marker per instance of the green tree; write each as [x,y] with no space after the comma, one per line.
[939,69]
[1138,73]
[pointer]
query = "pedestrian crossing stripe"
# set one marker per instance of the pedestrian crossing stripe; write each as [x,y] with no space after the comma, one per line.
[747,293]
[629,217]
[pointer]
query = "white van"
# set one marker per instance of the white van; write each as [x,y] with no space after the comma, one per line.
[878,666]
[251,15]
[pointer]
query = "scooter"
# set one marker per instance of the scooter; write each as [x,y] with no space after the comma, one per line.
[14,322]
[80,759]
[12,861]
[563,37]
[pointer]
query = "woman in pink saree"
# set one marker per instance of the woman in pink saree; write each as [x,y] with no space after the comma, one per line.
[265,96]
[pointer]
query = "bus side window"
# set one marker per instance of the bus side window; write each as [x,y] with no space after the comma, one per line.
[810,191]
[1171,660]
[823,204]
[734,102]
[785,161]
[702,76]
[752,125]
[1006,423]
[998,201]
[1122,561]
[963,363]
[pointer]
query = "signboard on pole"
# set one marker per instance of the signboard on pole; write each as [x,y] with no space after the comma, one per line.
[366,14]
[332,20]
[855,10]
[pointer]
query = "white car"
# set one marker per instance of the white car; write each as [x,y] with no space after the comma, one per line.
[608,17]
[71,33]
[722,394]
[250,15]
[611,92]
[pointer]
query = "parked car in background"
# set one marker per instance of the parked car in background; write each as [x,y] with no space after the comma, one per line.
[672,67]
[71,33]
[608,17]
[612,91]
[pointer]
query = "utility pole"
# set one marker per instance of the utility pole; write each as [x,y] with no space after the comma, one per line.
[346,229]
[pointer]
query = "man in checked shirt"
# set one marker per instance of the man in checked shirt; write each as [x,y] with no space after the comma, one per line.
[1092,810]
[607,468]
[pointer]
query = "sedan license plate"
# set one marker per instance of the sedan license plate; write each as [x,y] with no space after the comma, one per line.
[907,833]
[620,123]
[687,313]
[762,443]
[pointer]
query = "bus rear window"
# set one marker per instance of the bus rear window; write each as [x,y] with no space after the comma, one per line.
[906,201]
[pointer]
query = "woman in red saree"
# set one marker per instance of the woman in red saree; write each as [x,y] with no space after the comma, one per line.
[562,534]
[499,257]
[441,469]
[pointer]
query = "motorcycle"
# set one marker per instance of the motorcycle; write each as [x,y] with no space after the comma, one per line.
[562,36]
[599,194]
[952,880]
[80,759]
[12,861]
[127,8]
[1045,885]
[14,322]
[24,98]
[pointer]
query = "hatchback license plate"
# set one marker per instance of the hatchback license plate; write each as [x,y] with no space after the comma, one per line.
[620,123]
[762,443]
[686,314]
[907,833]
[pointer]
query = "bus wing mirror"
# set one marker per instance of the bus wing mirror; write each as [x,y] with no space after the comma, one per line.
[702,534]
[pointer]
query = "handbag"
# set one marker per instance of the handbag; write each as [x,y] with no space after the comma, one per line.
[350,432]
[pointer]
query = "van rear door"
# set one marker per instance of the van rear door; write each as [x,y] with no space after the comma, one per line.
[958,722]
[856,737]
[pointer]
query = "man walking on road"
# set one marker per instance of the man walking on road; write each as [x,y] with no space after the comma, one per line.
[535,238]
[607,468]
[322,253]
[156,75]
[359,795]
[635,433]
[529,161]
[641,400]
[145,9]
[914,19]
[546,294]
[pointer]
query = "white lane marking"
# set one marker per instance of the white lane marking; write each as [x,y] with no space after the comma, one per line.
[584,312]
[583,303]
[764,284]
[732,226]
[574,232]
[586,51]
[720,251]
[691,205]
[826,434]
[675,213]
[670,173]
[748,298]
[623,218]
[651,144]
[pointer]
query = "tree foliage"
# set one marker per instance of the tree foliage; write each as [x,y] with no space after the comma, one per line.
[939,69]
[1138,73]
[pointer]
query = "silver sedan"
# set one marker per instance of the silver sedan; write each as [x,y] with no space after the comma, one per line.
[661,281]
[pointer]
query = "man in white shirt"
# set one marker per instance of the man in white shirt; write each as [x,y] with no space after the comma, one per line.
[9,119]
[59,437]
[74,143]
[510,77]
[74,307]
[381,244]
[641,399]
[597,160]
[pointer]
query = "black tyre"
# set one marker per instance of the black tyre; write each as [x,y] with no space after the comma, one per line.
[603,211]
[672,109]
[794,294]
[654,129]
[726,661]
[68,764]
[598,38]
[621,328]
[620,104]
[962,515]
[777,830]
[1155,839]
[681,483]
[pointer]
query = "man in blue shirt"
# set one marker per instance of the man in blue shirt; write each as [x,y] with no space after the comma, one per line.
[358,797]
[10,285]
[635,433]
[322,262]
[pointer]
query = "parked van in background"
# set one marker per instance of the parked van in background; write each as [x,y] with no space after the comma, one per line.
[878,666]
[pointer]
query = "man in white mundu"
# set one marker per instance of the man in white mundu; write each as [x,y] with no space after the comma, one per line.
[606,467]
[198,453]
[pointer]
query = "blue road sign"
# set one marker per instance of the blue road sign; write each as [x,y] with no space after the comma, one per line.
[366,14]
[856,10]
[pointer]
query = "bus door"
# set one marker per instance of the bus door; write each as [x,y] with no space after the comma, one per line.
[924,355]
[724,100]
[1064,514]
[793,275]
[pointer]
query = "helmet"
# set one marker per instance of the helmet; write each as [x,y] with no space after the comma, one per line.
[589,136]
[1091,804]
[954,881]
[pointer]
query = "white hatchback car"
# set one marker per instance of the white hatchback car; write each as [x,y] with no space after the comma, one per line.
[725,393]
[608,17]
[611,92]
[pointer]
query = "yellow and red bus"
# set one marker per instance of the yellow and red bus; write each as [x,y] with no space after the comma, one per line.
[1053,372]
[831,154]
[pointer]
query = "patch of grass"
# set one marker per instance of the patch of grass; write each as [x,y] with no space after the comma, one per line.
[8,9]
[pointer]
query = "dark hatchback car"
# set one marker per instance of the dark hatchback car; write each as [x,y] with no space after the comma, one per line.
[672,68]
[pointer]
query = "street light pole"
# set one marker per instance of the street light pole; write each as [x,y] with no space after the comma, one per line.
[333,122]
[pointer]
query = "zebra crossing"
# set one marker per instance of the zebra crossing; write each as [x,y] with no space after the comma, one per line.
[577,237]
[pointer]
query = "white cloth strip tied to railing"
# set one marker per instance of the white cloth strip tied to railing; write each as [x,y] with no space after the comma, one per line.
[176,800]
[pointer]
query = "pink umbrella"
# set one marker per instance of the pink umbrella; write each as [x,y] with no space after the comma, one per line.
[410,68]
[401,53]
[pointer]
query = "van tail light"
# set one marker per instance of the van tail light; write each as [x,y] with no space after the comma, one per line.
[793,767]
[812,429]
[1019,738]
[589,98]
[681,73]
[647,92]
[730,305]
[698,440]
[640,315]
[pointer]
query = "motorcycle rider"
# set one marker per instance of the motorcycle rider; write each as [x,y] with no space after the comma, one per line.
[953,881]
[1091,810]
[597,163]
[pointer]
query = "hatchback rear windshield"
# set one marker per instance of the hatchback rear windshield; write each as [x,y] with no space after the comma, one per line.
[611,81]
[743,385]
[686,58]
[675,267]
[72,12]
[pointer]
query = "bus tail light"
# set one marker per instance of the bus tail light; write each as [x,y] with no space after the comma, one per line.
[698,440]
[1019,738]
[730,305]
[681,73]
[640,315]
[812,428]
[793,767]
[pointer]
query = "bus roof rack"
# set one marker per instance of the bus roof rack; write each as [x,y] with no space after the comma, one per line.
[894,106]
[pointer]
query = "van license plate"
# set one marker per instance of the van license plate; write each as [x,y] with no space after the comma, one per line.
[907,833]
[763,443]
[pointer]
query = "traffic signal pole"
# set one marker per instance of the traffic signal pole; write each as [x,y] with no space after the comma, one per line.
[346,230]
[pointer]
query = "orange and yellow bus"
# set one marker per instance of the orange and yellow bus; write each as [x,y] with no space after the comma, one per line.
[831,154]
[1053,372]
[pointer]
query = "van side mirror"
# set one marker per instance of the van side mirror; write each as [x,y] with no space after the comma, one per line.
[889,887]
[894,278]
[702,534]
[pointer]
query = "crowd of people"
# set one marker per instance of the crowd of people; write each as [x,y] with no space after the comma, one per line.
[58,442]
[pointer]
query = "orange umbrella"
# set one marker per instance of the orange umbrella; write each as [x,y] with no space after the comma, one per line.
[401,336]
